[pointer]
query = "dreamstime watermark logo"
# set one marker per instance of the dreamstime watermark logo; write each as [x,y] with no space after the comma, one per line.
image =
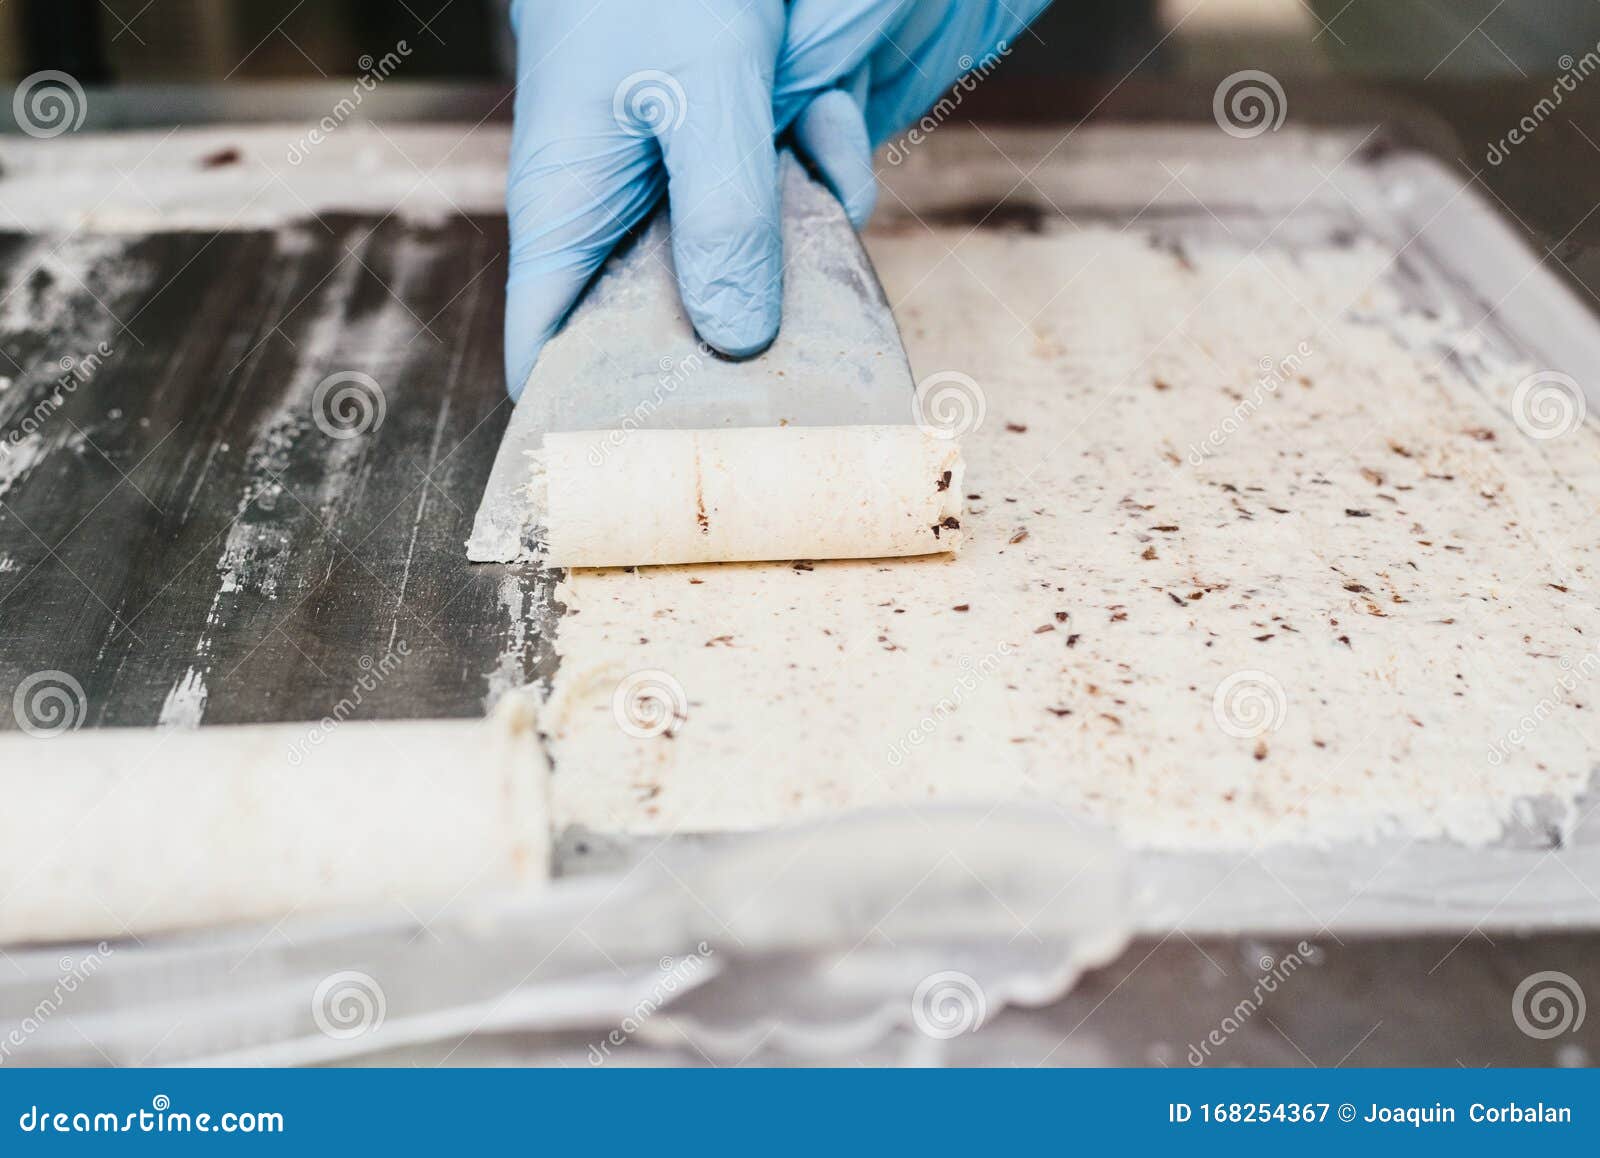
[373,73]
[1249,704]
[973,73]
[1572,675]
[74,972]
[948,1004]
[348,404]
[1573,73]
[373,674]
[973,673]
[348,1004]
[949,404]
[74,372]
[1274,972]
[649,103]
[1272,376]
[49,703]
[1248,103]
[674,372]
[48,104]
[1548,404]
[160,1118]
[676,973]
[650,703]
[1548,1004]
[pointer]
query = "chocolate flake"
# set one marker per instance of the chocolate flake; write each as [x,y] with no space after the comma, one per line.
[228,156]
[700,516]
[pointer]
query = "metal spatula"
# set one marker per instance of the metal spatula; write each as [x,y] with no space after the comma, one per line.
[629,359]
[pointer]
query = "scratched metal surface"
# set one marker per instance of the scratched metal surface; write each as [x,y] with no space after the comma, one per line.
[177,532]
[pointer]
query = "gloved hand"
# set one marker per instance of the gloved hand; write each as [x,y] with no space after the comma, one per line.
[619,99]
[855,72]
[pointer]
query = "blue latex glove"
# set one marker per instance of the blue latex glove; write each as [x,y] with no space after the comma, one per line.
[618,100]
[853,73]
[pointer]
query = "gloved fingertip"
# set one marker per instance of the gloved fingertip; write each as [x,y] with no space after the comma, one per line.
[737,321]
[727,244]
[729,256]
[519,368]
[832,133]
[858,205]
[534,310]
[522,348]
[737,345]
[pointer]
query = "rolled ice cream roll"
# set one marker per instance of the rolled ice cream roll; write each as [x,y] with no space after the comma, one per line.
[745,494]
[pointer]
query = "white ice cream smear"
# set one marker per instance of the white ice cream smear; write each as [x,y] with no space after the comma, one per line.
[1241,566]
